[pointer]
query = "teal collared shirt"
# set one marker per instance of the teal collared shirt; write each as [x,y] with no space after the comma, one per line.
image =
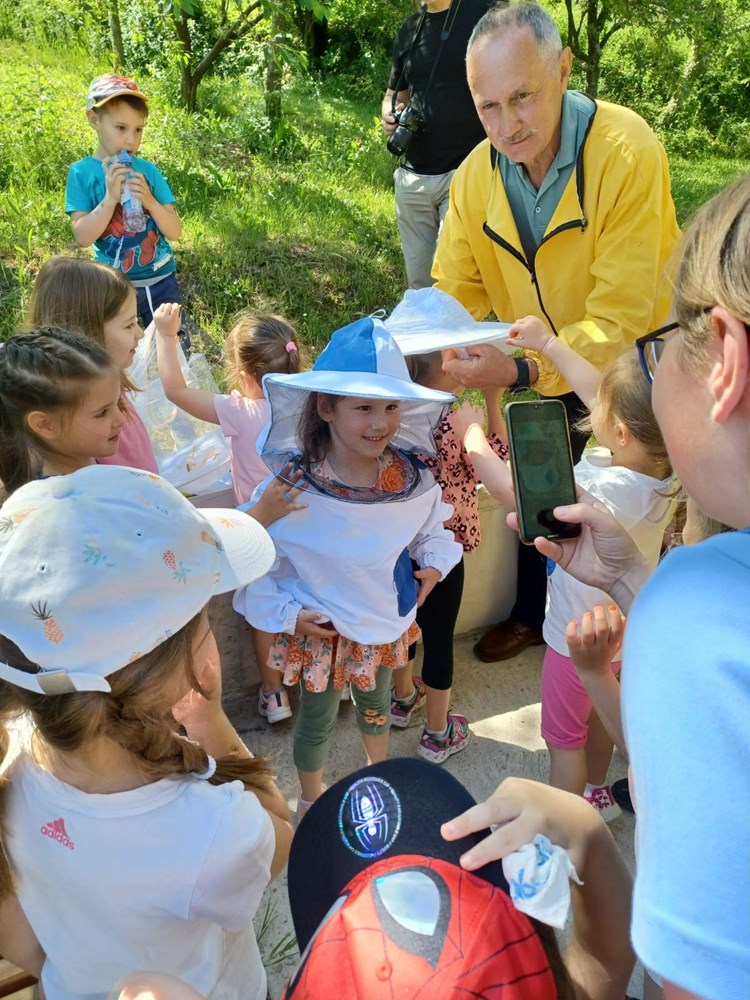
[532,209]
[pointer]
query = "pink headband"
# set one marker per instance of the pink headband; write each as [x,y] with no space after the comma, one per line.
[291,346]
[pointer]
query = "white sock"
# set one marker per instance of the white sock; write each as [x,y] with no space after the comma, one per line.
[407,701]
[440,733]
[590,789]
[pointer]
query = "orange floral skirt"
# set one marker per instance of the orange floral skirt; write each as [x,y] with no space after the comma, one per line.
[311,660]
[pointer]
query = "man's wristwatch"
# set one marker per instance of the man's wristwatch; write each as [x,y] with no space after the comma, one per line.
[524,377]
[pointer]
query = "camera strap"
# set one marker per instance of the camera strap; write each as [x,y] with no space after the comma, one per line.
[444,36]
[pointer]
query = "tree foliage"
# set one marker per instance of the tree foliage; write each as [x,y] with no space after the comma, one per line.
[683,64]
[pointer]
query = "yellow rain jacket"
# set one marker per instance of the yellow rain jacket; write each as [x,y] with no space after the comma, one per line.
[597,277]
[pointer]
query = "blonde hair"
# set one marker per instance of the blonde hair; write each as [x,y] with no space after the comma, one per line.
[625,395]
[713,268]
[257,345]
[80,295]
[133,715]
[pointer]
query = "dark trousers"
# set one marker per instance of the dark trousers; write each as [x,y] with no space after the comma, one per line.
[532,565]
[437,620]
[166,290]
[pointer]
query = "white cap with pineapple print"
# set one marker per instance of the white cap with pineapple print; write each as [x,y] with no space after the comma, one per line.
[99,567]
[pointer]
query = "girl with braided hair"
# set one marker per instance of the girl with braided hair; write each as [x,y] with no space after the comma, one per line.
[60,406]
[138,832]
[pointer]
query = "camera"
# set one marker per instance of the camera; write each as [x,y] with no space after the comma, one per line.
[410,123]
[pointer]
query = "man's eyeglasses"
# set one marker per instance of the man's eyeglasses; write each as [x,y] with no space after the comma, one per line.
[651,347]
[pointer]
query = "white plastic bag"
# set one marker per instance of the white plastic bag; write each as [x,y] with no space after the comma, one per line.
[192,454]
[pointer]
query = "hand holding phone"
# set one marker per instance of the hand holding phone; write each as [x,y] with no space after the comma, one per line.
[542,467]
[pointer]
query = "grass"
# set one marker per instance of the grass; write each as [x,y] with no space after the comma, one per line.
[300,223]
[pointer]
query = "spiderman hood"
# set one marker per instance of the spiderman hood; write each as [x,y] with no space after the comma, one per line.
[382,909]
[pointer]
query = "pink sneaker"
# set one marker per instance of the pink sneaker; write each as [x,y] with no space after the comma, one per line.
[436,749]
[274,705]
[603,801]
[402,712]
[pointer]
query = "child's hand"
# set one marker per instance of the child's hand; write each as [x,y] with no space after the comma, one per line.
[308,624]
[167,318]
[521,809]
[114,176]
[466,416]
[139,186]
[426,579]
[599,640]
[279,498]
[530,332]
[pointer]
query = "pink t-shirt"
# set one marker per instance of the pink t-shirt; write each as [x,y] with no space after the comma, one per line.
[134,447]
[242,420]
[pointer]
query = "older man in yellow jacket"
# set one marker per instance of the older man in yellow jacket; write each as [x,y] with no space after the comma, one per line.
[563,213]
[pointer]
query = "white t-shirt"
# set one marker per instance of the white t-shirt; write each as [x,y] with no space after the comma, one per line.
[640,506]
[161,878]
[241,420]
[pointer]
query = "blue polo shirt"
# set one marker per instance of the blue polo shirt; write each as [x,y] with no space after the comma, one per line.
[532,209]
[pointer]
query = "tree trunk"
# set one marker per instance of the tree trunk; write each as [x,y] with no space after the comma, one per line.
[594,49]
[118,49]
[274,69]
[188,88]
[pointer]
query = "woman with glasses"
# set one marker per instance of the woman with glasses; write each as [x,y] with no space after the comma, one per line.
[686,672]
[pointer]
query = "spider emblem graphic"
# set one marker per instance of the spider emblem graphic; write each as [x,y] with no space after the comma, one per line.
[369,817]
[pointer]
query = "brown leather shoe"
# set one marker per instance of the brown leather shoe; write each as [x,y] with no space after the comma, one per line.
[505,640]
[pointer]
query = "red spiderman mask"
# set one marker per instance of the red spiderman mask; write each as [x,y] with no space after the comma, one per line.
[382,909]
[411,926]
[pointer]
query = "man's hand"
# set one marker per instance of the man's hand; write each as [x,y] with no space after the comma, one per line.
[485,367]
[387,121]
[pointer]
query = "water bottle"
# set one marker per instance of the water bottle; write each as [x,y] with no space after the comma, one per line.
[133,216]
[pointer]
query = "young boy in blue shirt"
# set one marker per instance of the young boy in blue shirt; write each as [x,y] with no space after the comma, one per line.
[117,111]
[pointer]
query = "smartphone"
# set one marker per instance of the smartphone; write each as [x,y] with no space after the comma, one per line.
[542,466]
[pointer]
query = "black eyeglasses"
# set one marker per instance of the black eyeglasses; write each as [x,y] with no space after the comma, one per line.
[651,347]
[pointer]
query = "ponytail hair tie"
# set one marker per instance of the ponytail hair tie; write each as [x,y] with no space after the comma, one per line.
[210,769]
[290,347]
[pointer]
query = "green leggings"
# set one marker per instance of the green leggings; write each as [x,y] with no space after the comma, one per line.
[318,711]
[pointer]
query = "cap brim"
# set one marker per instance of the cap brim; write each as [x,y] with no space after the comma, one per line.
[363,385]
[430,340]
[125,92]
[321,864]
[247,550]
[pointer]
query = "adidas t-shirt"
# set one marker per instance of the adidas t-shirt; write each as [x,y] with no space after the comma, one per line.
[164,877]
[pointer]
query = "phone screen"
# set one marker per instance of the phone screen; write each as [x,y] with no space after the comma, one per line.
[542,467]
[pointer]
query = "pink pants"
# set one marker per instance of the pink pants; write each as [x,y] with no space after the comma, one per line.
[565,705]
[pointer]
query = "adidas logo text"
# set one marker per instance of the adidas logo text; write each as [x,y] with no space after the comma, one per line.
[56,831]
